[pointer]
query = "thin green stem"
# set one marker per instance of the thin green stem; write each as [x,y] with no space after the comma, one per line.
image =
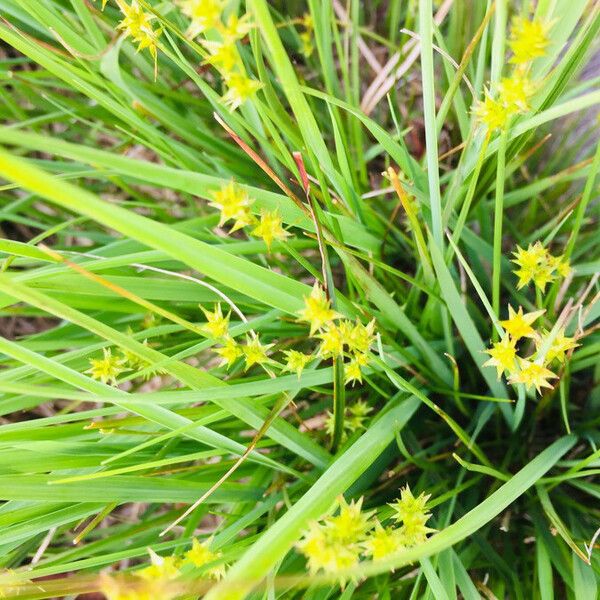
[498,218]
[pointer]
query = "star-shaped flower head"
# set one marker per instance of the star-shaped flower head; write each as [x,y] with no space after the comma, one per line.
[255,353]
[135,588]
[234,203]
[515,92]
[528,40]
[503,355]
[532,374]
[203,14]
[352,372]
[296,361]
[201,555]
[317,309]
[324,554]
[332,342]
[223,55]
[230,352]
[560,346]
[270,227]
[358,413]
[107,368]
[160,568]
[137,25]
[491,113]
[236,28]
[538,265]
[382,542]
[413,514]
[216,326]
[560,264]
[360,338]
[518,325]
[350,524]
[240,88]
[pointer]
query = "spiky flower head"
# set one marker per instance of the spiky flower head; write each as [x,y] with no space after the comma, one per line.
[352,372]
[217,325]
[296,361]
[325,554]
[528,40]
[413,515]
[518,325]
[270,227]
[203,14]
[332,342]
[382,542]
[491,112]
[107,368]
[350,524]
[240,88]
[234,203]
[137,25]
[532,374]
[222,55]
[235,28]
[135,588]
[161,568]
[559,347]
[359,338]
[201,555]
[317,309]
[538,265]
[230,352]
[514,92]
[254,352]
[503,355]
[357,414]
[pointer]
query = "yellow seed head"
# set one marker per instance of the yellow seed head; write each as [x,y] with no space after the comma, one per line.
[317,309]
[240,88]
[230,352]
[528,40]
[254,352]
[503,355]
[234,204]
[201,555]
[492,113]
[518,325]
[532,374]
[107,368]
[296,361]
[203,14]
[270,227]
[216,326]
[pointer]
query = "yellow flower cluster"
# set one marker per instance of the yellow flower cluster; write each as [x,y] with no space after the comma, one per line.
[354,419]
[337,543]
[339,337]
[234,204]
[533,370]
[528,40]
[306,36]
[137,25]
[108,368]
[538,265]
[160,578]
[217,328]
[207,15]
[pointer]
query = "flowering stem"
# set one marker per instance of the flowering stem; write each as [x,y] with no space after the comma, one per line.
[498,214]
[339,403]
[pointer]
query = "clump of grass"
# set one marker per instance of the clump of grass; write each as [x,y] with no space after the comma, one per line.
[319,293]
